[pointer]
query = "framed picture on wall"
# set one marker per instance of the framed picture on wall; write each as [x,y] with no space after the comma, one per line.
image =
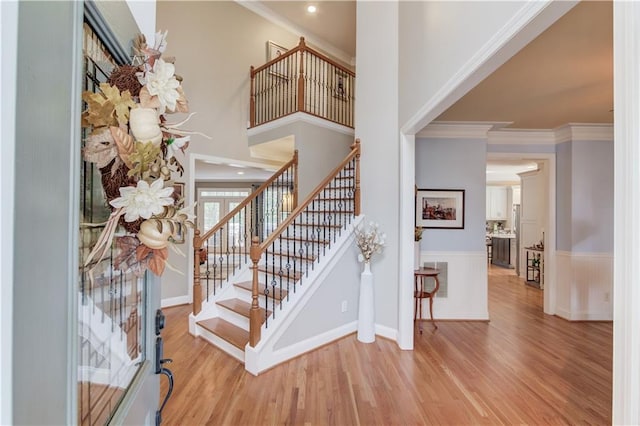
[440,208]
[274,51]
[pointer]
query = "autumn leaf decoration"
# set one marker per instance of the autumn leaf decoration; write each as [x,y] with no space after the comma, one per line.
[137,152]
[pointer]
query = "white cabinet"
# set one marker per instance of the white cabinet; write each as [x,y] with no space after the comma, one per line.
[496,203]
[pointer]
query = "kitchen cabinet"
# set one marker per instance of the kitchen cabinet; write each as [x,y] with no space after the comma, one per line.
[496,207]
[501,251]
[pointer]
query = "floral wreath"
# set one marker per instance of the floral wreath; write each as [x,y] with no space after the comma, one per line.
[135,149]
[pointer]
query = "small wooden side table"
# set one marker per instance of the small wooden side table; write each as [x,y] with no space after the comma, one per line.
[419,292]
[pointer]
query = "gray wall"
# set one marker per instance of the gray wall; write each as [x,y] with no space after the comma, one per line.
[563,196]
[46,212]
[585,196]
[320,150]
[323,312]
[454,164]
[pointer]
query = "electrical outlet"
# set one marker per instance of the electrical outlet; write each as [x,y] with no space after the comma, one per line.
[606,296]
[344,306]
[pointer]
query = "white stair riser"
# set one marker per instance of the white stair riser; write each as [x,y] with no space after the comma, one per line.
[221,343]
[234,318]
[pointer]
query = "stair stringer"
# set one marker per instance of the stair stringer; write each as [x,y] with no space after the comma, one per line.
[265,355]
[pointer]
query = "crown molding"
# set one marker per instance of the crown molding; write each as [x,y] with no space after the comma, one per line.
[584,132]
[258,8]
[457,130]
[522,137]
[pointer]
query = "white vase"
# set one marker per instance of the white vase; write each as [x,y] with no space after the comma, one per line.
[366,326]
[416,255]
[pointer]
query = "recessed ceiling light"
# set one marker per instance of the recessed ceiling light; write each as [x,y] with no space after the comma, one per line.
[311,9]
[240,173]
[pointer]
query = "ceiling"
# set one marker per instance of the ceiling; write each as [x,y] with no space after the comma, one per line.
[563,76]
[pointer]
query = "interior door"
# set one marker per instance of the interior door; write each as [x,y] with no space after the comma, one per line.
[211,209]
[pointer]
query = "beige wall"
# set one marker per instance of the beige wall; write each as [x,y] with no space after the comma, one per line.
[215,43]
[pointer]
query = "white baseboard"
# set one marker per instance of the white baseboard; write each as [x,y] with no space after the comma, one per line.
[386,332]
[252,358]
[175,301]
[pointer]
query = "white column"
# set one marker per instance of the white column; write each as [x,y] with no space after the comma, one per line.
[376,120]
[626,285]
[8,52]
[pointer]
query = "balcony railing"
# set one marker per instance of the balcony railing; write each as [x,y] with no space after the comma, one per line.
[302,80]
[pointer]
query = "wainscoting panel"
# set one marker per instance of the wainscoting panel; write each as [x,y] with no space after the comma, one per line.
[466,296]
[585,286]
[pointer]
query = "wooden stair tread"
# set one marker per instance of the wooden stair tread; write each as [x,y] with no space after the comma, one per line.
[295,276]
[334,199]
[304,240]
[240,307]
[318,225]
[248,285]
[330,211]
[293,255]
[237,336]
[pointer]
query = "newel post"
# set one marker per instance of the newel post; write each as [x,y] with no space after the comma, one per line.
[356,195]
[252,100]
[197,290]
[301,95]
[255,320]
[295,180]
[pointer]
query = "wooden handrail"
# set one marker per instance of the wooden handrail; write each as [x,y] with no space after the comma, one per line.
[301,80]
[198,240]
[355,151]
[251,197]
[197,289]
[302,46]
[257,249]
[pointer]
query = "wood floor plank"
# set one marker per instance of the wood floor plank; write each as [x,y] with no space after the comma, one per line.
[521,367]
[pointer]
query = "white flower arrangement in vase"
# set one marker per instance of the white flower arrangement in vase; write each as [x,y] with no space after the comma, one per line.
[369,240]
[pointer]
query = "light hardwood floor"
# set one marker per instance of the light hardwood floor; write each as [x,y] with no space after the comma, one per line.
[522,367]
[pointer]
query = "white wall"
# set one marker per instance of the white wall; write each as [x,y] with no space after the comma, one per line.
[321,146]
[144,12]
[214,44]
[8,55]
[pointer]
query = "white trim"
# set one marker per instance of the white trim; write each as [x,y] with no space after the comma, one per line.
[387,333]
[451,130]
[8,55]
[406,225]
[300,117]
[175,301]
[300,348]
[584,132]
[626,291]
[259,9]
[522,136]
[497,135]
